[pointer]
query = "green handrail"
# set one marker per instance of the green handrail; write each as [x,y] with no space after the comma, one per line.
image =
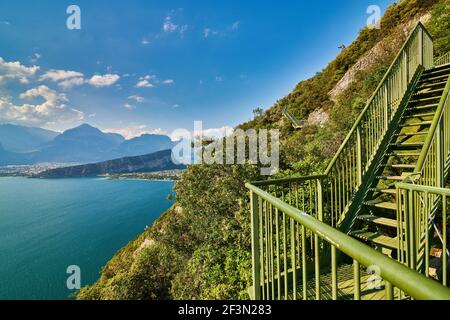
[442,60]
[416,207]
[279,253]
[326,198]
[435,129]
[426,62]
[337,187]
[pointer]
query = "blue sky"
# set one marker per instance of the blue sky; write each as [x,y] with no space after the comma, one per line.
[155,66]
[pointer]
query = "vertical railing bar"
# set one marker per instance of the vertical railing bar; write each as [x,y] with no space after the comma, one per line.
[255,246]
[427,236]
[266,242]
[304,274]
[261,240]
[317,266]
[444,244]
[334,272]
[277,230]
[389,290]
[285,255]
[293,260]
[272,272]
[357,280]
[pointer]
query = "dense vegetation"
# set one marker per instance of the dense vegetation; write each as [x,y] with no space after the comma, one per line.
[200,249]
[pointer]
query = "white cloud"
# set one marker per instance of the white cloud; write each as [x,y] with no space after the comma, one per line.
[235,26]
[183,29]
[35,58]
[168,81]
[144,84]
[217,132]
[103,80]
[168,25]
[135,130]
[147,77]
[59,75]
[73,82]
[129,106]
[16,71]
[175,106]
[53,110]
[138,99]
[207,32]
[145,41]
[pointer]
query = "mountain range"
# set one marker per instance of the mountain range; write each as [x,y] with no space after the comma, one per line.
[21,145]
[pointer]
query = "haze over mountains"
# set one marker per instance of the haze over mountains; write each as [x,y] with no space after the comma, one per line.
[21,145]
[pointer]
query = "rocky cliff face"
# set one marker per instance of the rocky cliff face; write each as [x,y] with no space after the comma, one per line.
[376,55]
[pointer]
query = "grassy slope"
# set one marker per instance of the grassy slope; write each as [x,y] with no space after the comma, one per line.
[203,251]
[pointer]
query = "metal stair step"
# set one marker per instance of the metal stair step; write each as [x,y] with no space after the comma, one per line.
[430,85]
[407,145]
[383,205]
[435,72]
[376,238]
[425,99]
[428,106]
[411,134]
[434,91]
[429,79]
[379,220]
[408,154]
[387,191]
[436,252]
[400,166]
[418,124]
[421,115]
[445,66]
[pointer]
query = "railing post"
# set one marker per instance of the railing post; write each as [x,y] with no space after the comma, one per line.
[440,155]
[320,200]
[420,38]
[412,231]
[389,291]
[359,156]
[254,203]
[386,108]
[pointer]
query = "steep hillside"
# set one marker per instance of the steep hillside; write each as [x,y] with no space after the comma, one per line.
[200,249]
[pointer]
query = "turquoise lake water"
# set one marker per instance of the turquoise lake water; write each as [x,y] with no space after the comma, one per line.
[48,225]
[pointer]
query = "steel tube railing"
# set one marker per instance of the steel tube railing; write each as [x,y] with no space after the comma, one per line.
[304,236]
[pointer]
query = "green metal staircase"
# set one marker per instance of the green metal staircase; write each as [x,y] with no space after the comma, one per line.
[377,217]
[368,226]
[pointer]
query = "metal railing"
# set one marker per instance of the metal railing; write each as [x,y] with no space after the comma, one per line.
[327,198]
[431,170]
[442,60]
[335,190]
[297,124]
[287,261]
[421,214]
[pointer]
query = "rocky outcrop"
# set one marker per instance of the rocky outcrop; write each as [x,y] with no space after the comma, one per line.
[318,117]
[377,54]
[146,244]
